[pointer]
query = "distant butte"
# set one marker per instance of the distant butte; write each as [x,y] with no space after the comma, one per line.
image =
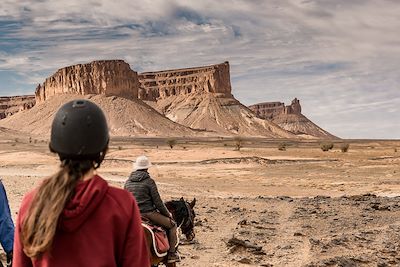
[10,105]
[104,77]
[290,118]
[159,85]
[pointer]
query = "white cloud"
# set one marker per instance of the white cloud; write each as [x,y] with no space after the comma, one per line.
[338,56]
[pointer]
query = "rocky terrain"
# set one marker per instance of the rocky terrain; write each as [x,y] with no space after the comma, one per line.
[290,118]
[257,206]
[359,230]
[10,105]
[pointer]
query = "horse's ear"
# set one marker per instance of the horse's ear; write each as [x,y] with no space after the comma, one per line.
[192,203]
[182,199]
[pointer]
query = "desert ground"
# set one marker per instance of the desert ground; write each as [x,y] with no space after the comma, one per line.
[257,206]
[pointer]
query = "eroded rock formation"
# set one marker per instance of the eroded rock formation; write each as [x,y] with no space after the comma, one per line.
[106,77]
[214,79]
[201,98]
[290,118]
[270,110]
[12,104]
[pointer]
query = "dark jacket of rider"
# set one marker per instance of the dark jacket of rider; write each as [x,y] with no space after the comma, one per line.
[144,188]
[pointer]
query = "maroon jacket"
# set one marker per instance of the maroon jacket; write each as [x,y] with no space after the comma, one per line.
[100,227]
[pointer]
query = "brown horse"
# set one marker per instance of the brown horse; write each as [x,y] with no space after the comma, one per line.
[183,214]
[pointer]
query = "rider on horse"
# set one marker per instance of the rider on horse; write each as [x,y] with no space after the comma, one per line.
[144,189]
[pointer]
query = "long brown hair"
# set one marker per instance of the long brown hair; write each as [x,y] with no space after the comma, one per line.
[40,223]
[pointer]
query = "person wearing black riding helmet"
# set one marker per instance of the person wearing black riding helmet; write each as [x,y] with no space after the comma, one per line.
[74,218]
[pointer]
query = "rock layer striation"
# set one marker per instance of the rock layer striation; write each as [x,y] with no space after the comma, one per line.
[10,105]
[214,79]
[105,77]
[201,98]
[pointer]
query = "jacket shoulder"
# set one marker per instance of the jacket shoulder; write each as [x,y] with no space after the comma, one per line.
[122,198]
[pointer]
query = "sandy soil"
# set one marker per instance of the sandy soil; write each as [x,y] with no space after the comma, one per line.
[258,206]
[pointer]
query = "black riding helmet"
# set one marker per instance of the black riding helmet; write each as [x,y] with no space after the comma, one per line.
[79,132]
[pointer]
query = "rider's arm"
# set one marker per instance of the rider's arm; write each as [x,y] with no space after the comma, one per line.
[6,223]
[157,199]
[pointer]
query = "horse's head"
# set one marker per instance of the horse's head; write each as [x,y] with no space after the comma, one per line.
[184,215]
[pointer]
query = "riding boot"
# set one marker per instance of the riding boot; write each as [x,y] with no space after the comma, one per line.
[173,256]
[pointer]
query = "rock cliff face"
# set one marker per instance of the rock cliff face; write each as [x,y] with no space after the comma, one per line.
[13,104]
[290,118]
[201,98]
[270,110]
[214,79]
[105,77]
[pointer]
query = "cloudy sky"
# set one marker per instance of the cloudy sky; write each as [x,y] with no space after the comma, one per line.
[341,58]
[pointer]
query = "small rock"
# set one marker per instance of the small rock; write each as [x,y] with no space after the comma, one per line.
[245,261]
[242,222]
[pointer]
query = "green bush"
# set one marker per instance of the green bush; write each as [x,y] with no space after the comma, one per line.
[326,146]
[344,147]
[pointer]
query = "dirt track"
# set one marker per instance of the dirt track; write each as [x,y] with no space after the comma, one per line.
[299,207]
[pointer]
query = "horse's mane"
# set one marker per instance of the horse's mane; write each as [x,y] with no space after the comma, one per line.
[179,209]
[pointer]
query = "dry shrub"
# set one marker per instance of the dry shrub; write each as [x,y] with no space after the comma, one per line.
[344,147]
[326,146]
[171,142]
[282,146]
[238,142]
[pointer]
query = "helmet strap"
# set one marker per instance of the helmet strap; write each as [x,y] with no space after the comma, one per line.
[101,157]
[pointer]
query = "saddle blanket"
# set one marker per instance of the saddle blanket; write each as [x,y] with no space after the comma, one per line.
[160,239]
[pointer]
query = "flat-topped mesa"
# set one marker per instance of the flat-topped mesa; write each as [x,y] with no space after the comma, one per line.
[106,77]
[290,119]
[10,105]
[214,79]
[270,110]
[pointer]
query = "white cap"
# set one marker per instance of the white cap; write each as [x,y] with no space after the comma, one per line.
[141,163]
